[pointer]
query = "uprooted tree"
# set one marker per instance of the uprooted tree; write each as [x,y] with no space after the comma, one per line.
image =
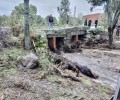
[113,12]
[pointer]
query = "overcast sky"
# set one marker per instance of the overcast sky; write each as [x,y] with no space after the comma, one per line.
[46,7]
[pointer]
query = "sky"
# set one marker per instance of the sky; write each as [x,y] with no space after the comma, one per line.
[46,7]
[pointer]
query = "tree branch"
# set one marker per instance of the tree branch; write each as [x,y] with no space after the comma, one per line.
[66,75]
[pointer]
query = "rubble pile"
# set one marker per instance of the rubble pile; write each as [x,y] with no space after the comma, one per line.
[72,47]
[93,39]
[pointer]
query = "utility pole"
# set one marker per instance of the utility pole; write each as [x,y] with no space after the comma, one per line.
[26,25]
[74,11]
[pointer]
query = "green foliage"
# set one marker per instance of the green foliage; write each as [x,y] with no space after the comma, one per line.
[16,19]
[50,56]
[41,44]
[104,22]
[40,21]
[95,31]
[14,55]
[64,11]
[3,20]
[9,71]
[96,2]
[75,21]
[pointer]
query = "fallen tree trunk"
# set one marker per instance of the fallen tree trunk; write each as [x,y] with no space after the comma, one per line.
[86,71]
[66,64]
[66,75]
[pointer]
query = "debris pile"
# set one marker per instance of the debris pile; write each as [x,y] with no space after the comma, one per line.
[91,40]
[64,64]
[95,38]
[72,47]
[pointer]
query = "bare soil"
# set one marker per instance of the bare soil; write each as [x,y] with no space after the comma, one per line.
[24,84]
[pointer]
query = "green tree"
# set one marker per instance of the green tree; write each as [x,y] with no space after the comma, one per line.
[104,22]
[75,21]
[16,18]
[3,20]
[40,21]
[113,12]
[33,14]
[64,11]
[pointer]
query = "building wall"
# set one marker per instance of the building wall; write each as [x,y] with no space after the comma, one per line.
[93,17]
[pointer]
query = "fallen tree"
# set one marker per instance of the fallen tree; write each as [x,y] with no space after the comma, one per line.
[75,67]
[74,78]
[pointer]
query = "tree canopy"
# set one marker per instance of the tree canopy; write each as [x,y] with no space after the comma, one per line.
[64,10]
[97,2]
[113,11]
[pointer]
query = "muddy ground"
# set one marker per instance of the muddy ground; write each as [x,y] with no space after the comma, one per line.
[100,61]
[24,84]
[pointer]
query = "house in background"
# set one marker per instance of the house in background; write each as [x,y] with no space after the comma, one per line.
[93,17]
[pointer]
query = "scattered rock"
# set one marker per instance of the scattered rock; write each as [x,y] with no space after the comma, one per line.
[117,69]
[29,61]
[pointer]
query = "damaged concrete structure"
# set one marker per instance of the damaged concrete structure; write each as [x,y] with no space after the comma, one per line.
[69,36]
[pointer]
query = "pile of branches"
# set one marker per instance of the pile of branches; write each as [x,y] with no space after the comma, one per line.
[64,64]
[93,42]
[96,40]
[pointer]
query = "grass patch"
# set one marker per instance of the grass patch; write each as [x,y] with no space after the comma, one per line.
[87,82]
[6,72]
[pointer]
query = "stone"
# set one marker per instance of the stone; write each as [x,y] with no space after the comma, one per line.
[29,61]
[117,69]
